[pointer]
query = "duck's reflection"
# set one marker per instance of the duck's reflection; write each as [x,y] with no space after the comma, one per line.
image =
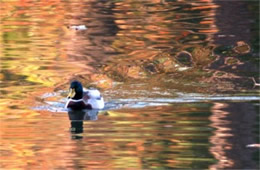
[77,117]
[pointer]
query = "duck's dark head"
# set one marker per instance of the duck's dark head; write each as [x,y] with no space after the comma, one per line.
[76,90]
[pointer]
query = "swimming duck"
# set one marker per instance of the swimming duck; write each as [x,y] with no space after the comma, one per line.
[83,99]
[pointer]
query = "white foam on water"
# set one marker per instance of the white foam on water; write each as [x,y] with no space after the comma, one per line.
[59,106]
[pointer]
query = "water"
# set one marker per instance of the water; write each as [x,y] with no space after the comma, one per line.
[177,93]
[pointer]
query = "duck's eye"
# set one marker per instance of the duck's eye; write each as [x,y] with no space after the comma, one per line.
[72,93]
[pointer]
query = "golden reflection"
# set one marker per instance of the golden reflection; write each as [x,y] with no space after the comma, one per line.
[129,42]
[156,29]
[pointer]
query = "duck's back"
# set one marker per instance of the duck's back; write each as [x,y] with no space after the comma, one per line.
[95,99]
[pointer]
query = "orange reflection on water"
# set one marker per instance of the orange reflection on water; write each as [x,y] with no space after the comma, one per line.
[219,139]
[234,131]
[39,53]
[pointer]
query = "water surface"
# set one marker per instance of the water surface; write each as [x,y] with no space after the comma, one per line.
[177,93]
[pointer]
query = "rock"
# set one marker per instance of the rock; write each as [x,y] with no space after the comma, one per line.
[201,56]
[184,58]
[242,48]
[151,68]
[231,61]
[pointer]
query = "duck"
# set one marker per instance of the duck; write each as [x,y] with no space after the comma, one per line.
[79,98]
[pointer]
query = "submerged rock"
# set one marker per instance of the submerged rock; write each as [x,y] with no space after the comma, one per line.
[201,56]
[165,63]
[150,68]
[231,61]
[124,71]
[242,48]
[184,58]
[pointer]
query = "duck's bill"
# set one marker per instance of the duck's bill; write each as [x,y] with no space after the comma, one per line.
[71,94]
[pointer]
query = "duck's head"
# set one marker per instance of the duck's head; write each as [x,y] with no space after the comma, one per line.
[75,91]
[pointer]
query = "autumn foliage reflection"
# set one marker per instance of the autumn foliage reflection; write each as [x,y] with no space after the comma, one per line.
[131,49]
[233,133]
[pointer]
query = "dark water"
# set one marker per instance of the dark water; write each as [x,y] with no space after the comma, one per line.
[177,82]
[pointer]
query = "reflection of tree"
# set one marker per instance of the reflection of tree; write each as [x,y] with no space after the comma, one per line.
[140,39]
[151,34]
[175,139]
[219,140]
[233,123]
[234,24]
[155,27]
[23,37]
[149,31]
[91,47]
